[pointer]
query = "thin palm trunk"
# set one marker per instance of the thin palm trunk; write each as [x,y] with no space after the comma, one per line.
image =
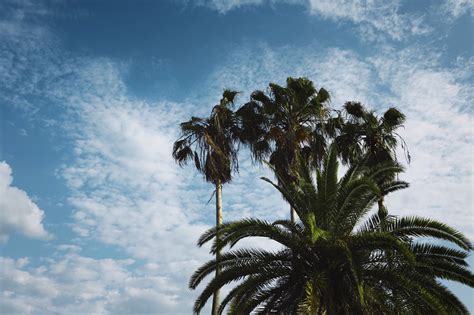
[216,298]
[293,215]
[292,210]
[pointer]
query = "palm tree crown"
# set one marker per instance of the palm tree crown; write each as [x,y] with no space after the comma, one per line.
[334,261]
[284,123]
[363,135]
[211,142]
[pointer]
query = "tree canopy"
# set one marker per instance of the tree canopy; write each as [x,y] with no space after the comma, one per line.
[336,261]
[339,257]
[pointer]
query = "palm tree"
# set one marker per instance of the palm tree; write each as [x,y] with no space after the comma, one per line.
[211,144]
[333,261]
[288,121]
[363,135]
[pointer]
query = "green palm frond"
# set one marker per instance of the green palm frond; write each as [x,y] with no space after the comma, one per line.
[421,227]
[232,232]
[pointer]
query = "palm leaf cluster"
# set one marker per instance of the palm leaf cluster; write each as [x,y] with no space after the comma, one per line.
[284,122]
[335,260]
[364,135]
[211,142]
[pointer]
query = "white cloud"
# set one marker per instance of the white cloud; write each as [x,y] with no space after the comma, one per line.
[126,188]
[76,284]
[457,8]
[18,213]
[381,16]
[342,72]
[70,248]
[372,17]
[224,6]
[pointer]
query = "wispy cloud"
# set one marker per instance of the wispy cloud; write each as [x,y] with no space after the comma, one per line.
[224,6]
[373,19]
[373,16]
[457,8]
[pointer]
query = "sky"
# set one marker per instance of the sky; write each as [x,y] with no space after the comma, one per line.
[95,216]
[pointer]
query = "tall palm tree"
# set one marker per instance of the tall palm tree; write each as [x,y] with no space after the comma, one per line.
[288,121]
[211,144]
[364,136]
[333,261]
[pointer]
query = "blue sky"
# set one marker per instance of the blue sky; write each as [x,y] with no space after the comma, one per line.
[95,217]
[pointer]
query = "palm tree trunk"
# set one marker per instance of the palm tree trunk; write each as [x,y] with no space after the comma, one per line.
[293,215]
[382,210]
[216,298]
